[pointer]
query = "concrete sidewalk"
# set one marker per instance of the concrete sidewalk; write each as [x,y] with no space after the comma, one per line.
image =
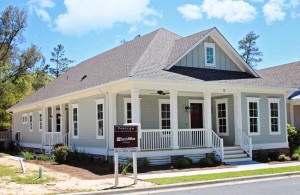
[239,166]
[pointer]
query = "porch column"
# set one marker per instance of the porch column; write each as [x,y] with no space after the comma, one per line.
[292,114]
[62,113]
[44,123]
[207,114]
[112,99]
[135,105]
[53,120]
[174,119]
[237,99]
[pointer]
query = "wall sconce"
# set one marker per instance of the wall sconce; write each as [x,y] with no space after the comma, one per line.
[187,108]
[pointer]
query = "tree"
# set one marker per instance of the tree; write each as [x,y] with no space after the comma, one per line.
[61,62]
[250,52]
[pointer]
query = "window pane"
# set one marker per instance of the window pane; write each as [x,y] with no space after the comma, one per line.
[128,106]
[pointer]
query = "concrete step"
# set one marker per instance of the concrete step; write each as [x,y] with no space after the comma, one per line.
[234,156]
[237,159]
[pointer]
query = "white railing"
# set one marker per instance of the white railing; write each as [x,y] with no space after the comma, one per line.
[217,145]
[156,139]
[65,139]
[246,144]
[52,140]
[192,138]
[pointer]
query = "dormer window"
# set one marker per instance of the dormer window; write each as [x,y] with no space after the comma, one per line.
[209,49]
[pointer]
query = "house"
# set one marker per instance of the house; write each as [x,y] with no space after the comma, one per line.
[191,95]
[289,74]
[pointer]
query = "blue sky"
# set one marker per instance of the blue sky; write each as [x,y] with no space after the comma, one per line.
[89,27]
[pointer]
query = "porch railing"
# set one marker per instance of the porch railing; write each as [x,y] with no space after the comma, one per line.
[217,145]
[65,139]
[156,139]
[192,138]
[50,141]
[246,144]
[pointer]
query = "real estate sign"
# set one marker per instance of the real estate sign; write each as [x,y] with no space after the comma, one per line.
[126,136]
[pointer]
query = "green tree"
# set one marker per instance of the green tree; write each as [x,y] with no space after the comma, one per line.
[250,52]
[61,63]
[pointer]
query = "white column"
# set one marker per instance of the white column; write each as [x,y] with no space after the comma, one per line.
[135,105]
[62,113]
[207,114]
[112,100]
[53,120]
[237,99]
[292,115]
[44,123]
[174,119]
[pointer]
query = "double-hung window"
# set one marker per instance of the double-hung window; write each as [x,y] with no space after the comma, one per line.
[25,118]
[127,110]
[40,121]
[164,114]
[274,115]
[253,116]
[222,116]
[75,121]
[100,124]
[209,50]
[30,122]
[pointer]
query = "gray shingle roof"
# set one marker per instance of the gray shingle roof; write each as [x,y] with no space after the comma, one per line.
[144,57]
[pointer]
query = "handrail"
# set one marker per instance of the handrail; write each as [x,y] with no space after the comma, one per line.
[65,139]
[217,145]
[246,144]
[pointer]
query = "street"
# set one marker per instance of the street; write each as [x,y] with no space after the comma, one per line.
[286,185]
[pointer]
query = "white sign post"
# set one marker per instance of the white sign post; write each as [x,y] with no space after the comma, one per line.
[116,169]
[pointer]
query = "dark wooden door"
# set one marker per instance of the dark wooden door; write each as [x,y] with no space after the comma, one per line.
[196,115]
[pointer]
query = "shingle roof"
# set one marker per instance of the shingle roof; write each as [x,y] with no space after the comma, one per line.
[144,57]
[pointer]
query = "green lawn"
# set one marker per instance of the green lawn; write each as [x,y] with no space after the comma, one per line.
[215,176]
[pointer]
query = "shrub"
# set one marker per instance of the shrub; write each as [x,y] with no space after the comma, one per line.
[2,147]
[273,155]
[183,162]
[295,156]
[60,154]
[207,161]
[44,157]
[293,137]
[110,166]
[297,151]
[11,145]
[145,162]
[28,155]
[123,167]
[282,157]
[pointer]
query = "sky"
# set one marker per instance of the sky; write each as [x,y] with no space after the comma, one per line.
[89,27]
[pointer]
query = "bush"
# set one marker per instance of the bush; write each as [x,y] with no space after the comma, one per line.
[282,157]
[2,147]
[273,155]
[183,162]
[60,154]
[44,157]
[293,137]
[28,155]
[11,145]
[207,161]
[145,162]
[297,151]
[295,156]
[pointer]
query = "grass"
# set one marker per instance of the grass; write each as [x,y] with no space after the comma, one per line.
[215,176]
[6,171]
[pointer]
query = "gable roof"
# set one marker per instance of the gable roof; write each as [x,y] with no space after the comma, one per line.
[147,57]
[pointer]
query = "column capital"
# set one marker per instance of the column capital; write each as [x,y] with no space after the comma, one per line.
[135,90]
[173,92]
[207,94]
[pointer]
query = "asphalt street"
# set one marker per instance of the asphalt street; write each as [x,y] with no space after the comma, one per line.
[286,186]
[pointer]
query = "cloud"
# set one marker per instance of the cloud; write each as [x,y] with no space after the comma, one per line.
[84,16]
[39,7]
[273,11]
[190,12]
[229,10]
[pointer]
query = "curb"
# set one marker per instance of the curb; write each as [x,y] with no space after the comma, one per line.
[190,184]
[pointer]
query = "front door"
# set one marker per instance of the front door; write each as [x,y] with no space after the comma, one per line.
[196,113]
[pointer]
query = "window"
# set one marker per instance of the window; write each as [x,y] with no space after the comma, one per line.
[25,118]
[30,122]
[274,115]
[58,122]
[100,118]
[209,49]
[164,114]
[253,116]
[127,110]
[222,116]
[75,120]
[40,121]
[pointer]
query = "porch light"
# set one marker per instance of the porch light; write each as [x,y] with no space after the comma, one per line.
[187,108]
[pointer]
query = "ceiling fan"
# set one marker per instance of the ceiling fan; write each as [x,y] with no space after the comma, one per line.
[160,92]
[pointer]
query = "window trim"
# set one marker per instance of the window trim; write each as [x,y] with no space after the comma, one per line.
[211,45]
[222,101]
[253,99]
[160,102]
[23,117]
[100,101]
[40,121]
[72,127]
[30,122]
[274,100]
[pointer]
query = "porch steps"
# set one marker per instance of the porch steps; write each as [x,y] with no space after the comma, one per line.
[235,154]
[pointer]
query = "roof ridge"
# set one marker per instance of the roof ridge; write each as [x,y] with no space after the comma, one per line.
[280,65]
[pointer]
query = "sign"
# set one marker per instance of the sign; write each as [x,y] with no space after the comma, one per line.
[126,136]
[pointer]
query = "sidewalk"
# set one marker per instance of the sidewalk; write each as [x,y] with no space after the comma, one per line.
[240,166]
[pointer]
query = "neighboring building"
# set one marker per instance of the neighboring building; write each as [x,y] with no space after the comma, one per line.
[289,74]
[192,96]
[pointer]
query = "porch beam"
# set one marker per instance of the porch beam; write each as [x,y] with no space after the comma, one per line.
[112,112]
[207,114]
[135,105]
[237,99]
[174,119]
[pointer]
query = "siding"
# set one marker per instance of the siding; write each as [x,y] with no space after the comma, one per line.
[34,137]
[87,124]
[265,136]
[196,58]
[297,116]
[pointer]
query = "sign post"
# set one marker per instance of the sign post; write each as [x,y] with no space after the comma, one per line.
[126,140]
